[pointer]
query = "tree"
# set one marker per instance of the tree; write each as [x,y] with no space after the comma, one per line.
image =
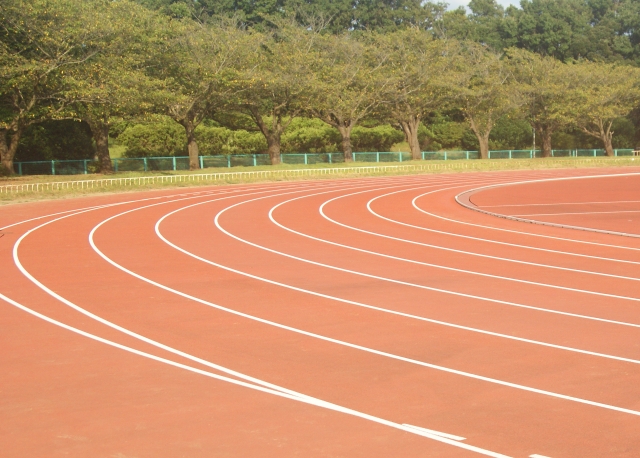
[114,82]
[419,80]
[275,87]
[199,66]
[40,42]
[603,93]
[349,84]
[486,92]
[545,85]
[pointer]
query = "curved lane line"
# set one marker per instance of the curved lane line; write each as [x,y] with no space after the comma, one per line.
[545,223]
[399,282]
[437,266]
[453,234]
[283,393]
[531,233]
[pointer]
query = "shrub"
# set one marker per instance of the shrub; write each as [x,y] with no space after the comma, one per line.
[161,138]
[374,139]
[305,135]
[220,140]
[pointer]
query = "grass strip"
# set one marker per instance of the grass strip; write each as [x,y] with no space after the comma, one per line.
[39,187]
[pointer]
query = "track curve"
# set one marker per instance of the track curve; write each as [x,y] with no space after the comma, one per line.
[361,317]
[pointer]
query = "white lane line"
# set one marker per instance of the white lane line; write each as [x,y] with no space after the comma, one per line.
[281,392]
[412,261]
[468,237]
[575,213]
[102,320]
[216,191]
[406,315]
[437,433]
[414,285]
[471,253]
[516,232]
[561,203]
[347,344]
[381,309]
[538,456]
[531,233]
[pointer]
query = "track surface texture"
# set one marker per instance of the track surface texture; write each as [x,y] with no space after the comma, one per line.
[478,314]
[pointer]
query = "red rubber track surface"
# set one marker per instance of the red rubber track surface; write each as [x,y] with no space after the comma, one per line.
[585,203]
[347,308]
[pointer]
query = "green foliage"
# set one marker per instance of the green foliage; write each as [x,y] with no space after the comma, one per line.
[306,135]
[220,140]
[379,138]
[162,138]
[56,140]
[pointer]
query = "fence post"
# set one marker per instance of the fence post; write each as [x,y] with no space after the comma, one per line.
[400,156]
[229,161]
[422,154]
[378,156]
[510,155]
[467,154]
[202,162]
[53,167]
[174,163]
[144,159]
[115,164]
[306,160]
[330,159]
[254,160]
[19,168]
[594,153]
[615,153]
[85,166]
[530,154]
[489,154]
[445,155]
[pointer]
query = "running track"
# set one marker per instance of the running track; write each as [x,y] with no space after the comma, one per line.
[493,314]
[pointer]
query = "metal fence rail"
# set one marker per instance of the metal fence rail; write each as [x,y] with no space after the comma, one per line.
[230,176]
[176,163]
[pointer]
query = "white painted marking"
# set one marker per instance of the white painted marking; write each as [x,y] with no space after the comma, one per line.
[437,266]
[437,433]
[524,233]
[538,456]
[339,342]
[517,261]
[283,393]
[550,224]
[576,213]
[399,282]
[561,203]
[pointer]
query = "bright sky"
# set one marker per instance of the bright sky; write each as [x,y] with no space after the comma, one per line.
[453,4]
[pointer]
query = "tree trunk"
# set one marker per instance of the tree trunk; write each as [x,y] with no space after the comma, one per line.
[483,142]
[607,136]
[410,129]
[545,134]
[100,131]
[8,149]
[192,145]
[482,135]
[272,135]
[345,132]
[273,142]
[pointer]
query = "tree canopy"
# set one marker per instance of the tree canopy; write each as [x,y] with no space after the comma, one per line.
[260,66]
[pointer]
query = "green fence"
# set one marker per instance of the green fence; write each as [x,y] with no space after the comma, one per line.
[155,164]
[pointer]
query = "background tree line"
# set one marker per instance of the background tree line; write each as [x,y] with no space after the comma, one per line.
[237,76]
